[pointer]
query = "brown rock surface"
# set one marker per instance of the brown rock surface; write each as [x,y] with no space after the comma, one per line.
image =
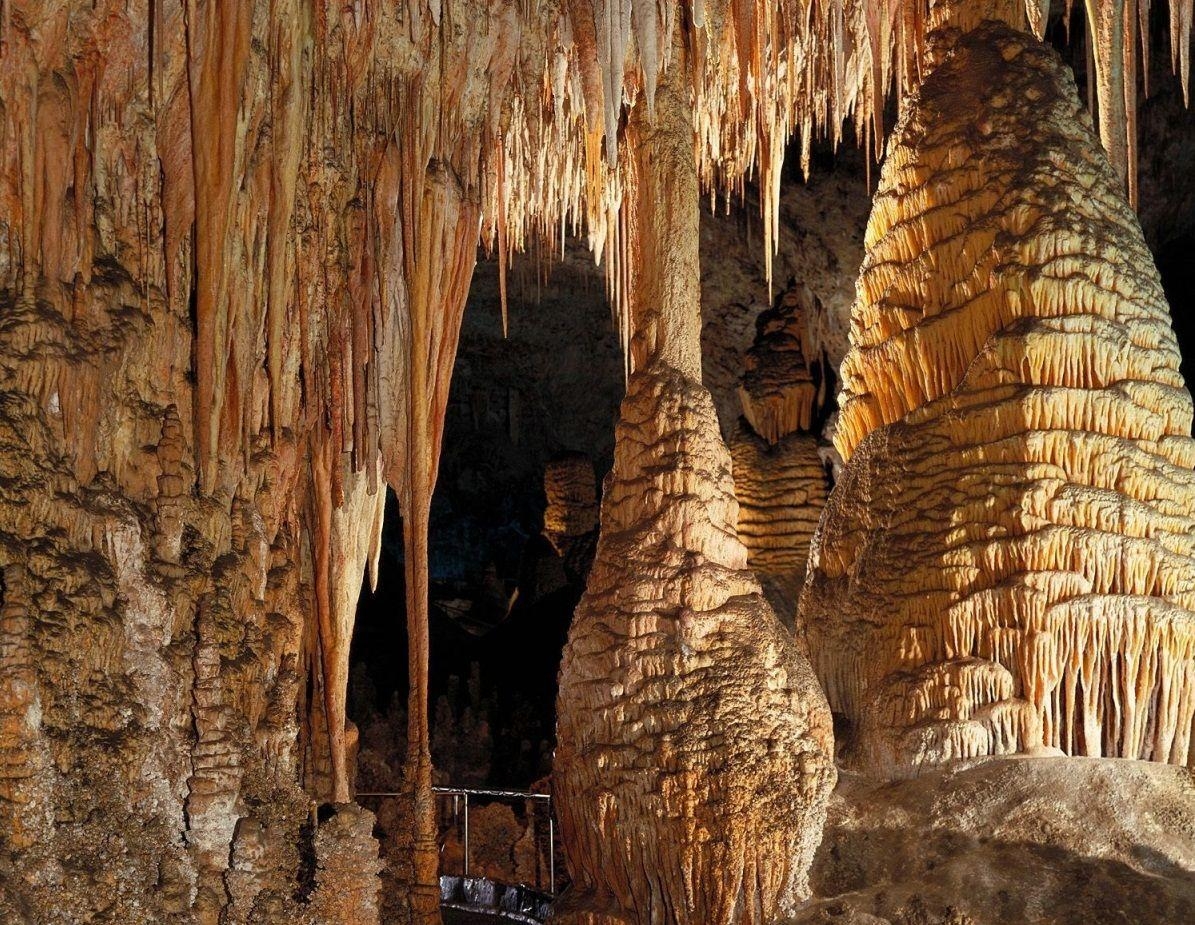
[1007,559]
[779,478]
[693,755]
[572,507]
[781,491]
[694,748]
[783,384]
[1069,841]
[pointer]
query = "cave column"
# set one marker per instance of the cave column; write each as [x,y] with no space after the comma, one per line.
[693,760]
[665,296]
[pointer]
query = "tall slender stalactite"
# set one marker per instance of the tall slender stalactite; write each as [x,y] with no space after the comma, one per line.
[694,749]
[1007,560]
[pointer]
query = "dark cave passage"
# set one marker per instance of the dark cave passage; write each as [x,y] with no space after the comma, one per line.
[502,595]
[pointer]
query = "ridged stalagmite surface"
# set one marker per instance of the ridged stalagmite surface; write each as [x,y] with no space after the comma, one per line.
[781,492]
[783,385]
[1007,560]
[779,477]
[572,508]
[694,747]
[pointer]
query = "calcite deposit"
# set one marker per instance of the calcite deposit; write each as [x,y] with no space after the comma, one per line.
[571,493]
[1006,563]
[779,479]
[694,748]
[1069,841]
[236,242]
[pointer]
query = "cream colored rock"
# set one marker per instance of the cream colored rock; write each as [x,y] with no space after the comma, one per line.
[1068,841]
[694,747]
[1007,560]
[779,478]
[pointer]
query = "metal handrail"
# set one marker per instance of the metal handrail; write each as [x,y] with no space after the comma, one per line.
[466,792]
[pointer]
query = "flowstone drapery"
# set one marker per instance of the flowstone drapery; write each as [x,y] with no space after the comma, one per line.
[1007,560]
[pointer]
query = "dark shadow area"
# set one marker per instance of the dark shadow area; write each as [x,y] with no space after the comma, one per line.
[502,595]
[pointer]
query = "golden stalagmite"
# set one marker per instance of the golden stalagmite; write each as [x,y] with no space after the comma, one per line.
[783,384]
[779,478]
[781,492]
[694,748]
[1007,561]
[571,492]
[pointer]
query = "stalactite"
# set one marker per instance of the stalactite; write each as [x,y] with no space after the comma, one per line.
[440,225]
[234,243]
[1006,560]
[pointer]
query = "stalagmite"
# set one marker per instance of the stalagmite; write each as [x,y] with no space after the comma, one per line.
[572,508]
[779,479]
[783,385]
[1007,560]
[235,242]
[693,758]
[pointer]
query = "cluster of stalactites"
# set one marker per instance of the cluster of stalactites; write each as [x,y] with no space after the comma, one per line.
[757,73]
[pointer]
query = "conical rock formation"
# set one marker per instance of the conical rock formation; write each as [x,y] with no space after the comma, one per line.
[1007,561]
[779,478]
[781,492]
[694,762]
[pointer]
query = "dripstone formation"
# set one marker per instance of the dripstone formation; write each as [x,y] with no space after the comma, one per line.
[236,243]
[779,478]
[694,749]
[1007,561]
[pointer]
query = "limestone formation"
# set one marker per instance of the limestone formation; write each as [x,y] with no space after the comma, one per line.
[235,244]
[1069,841]
[693,756]
[346,869]
[779,478]
[1006,562]
[783,384]
[572,509]
[694,749]
[781,492]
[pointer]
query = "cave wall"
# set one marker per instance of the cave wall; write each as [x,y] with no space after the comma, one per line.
[194,287]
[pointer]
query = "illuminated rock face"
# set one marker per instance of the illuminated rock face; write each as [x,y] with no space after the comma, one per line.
[783,385]
[779,478]
[572,509]
[781,492]
[1007,560]
[694,747]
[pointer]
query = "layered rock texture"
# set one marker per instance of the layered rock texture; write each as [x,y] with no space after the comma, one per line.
[694,748]
[571,494]
[779,478]
[1006,562]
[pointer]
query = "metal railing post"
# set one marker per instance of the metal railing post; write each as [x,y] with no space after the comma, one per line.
[460,816]
[551,851]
